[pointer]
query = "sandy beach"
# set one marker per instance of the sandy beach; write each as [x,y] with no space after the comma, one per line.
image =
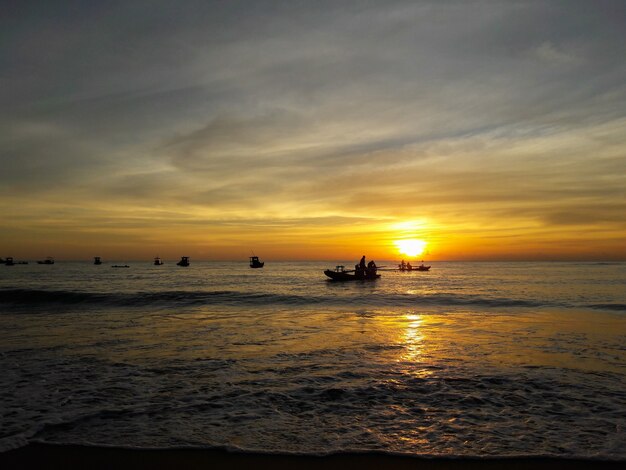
[69,457]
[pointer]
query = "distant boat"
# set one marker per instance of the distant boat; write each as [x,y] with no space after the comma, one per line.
[184,261]
[97,260]
[48,260]
[421,267]
[120,266]
[159,262]
[255,263]
[9,261]
[408,267]
[341,274]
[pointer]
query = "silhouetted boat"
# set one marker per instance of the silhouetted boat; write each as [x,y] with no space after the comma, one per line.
[48,260]
[255,263]
[9,261]
[157,261]
[408,267]
[341,274]
[120,266]
[97,260]
[184,261]
[421,267]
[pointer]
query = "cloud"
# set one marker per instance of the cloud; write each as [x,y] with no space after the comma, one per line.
[548,52]
[464,113]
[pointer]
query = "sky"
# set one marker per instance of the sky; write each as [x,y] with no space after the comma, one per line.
[313,129]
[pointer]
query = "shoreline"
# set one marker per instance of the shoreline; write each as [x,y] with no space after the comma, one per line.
[58,456]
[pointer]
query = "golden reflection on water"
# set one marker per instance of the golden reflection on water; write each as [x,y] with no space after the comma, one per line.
[561,339]
[418,343]
[413,338]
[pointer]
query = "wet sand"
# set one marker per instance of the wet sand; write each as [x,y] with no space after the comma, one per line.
[74,457]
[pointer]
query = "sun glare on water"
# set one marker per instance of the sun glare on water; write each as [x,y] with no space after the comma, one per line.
[411,247]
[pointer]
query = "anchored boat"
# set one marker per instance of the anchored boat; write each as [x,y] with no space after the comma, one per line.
[255,263]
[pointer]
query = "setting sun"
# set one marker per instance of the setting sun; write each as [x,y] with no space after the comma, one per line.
[411,247]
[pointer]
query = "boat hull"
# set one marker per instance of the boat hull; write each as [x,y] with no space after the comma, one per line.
[343,276]
[417,268]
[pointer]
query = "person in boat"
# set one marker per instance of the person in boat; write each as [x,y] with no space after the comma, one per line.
[359,269]
[402,265]
[408,266]
[371,268]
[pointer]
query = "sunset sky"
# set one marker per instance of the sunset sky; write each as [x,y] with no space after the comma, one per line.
[313,129]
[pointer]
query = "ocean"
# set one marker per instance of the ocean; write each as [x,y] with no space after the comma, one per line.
[468,359]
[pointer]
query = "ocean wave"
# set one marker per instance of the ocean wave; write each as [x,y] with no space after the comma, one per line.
[392,405]
[34,297]
[616,307]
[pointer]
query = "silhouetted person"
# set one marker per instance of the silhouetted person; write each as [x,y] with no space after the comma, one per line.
[371,268]
[362,263]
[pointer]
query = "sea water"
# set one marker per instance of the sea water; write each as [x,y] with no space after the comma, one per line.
[468,359]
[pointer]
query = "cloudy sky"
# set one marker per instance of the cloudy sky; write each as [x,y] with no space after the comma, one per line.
[313,129]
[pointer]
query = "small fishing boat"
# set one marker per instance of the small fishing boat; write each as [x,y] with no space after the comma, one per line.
[255,263]
[342,274]
[120,266]
[9,261]
[184,261]
[407,267]
[97,260]
[158,261]
[48,260]
[421,267]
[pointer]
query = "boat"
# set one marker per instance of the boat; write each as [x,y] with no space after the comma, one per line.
[9,261]
[341,274]
[157,261]
[407,267]
[48,260]
[421,267]
[184,261]
[120,266]
[255,263]
[97,260]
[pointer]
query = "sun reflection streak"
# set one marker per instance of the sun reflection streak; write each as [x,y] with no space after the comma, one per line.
[413,338]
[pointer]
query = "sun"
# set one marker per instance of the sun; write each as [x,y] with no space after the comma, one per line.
[411,247]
